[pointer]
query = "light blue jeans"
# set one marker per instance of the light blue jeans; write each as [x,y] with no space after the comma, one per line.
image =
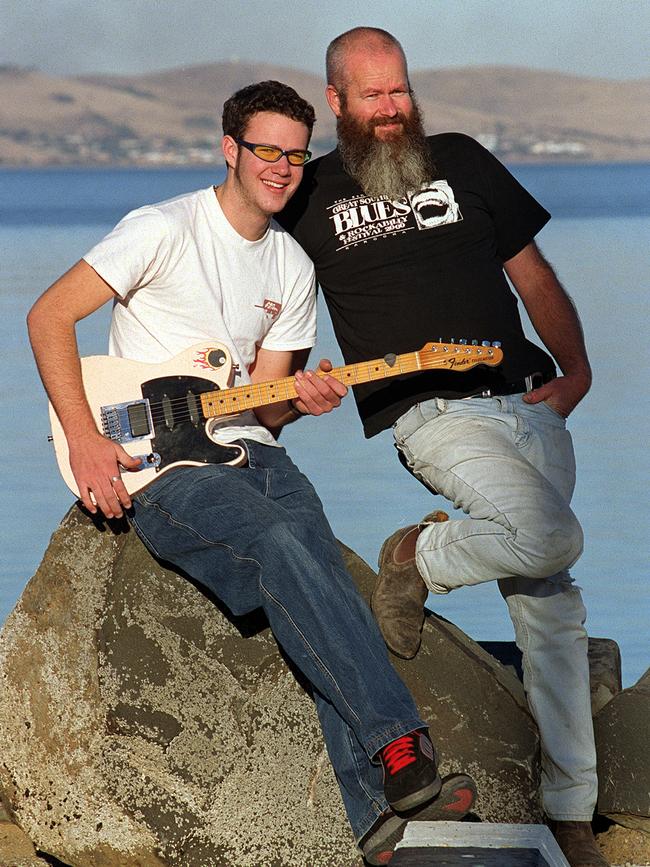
[257,537]
[510,467]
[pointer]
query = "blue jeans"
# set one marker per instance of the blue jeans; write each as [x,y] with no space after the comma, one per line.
[510,467]
[257,537]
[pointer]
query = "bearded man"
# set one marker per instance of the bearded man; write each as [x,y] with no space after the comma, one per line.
[412,238]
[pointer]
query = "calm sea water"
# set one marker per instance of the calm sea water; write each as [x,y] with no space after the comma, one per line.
[598,241]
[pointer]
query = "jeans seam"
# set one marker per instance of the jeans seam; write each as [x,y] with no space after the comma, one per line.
[147,541]
[360,780]
[528,668]
[192,532]
[310,649]
[507,527]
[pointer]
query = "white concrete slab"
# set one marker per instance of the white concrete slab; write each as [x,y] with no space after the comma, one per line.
[482,835]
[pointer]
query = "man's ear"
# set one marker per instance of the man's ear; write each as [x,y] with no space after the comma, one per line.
[230,150]
[333,99]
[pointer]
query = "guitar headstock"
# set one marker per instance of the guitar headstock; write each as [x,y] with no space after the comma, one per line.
[460,356]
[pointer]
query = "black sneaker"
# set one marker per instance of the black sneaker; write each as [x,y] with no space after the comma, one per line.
[456,799]
[410,774]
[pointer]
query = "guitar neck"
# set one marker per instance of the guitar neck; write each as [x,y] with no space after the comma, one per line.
[450,356]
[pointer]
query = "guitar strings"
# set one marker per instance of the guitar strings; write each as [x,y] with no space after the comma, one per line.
[257,394]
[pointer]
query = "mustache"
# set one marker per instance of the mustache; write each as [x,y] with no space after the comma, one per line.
[374,122]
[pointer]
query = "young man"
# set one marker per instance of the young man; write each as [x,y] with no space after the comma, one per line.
[411,237]
[212,264]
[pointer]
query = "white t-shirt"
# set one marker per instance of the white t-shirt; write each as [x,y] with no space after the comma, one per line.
[183,274]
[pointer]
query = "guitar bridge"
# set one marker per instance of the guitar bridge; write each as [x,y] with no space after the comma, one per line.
[127,422]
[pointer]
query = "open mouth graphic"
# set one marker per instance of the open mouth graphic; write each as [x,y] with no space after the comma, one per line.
[435,206]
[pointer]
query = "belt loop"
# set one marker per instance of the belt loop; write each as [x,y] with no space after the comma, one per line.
[533,381]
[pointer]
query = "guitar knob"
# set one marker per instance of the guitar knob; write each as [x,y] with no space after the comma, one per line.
[216,358]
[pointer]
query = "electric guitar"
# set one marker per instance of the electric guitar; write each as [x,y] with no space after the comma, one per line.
[161,413]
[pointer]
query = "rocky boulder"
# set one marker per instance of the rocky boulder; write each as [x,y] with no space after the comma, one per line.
[141,724]
[621,729]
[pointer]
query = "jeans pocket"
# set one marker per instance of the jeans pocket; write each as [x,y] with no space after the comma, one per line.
[413,419]
[553,412]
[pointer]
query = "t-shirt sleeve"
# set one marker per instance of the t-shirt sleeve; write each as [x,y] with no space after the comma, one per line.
[297,217]
[517,215]
[133,253]
[295,327]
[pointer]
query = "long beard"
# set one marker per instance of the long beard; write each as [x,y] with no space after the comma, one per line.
[385,168]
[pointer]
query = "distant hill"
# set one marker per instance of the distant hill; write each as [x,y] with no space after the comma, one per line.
[173,117]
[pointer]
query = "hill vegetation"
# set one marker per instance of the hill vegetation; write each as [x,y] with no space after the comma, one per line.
[172,117]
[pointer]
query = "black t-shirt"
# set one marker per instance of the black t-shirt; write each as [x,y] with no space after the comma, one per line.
[428,267]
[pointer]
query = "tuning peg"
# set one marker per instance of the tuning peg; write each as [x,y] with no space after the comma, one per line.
[496,343]
[474,342]
[452,339]
[463,341]
[485,343]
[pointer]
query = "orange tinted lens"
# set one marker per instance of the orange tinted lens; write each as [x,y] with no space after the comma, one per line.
[297,158]
[265,152]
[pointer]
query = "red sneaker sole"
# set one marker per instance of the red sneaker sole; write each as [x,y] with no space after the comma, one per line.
[456,799]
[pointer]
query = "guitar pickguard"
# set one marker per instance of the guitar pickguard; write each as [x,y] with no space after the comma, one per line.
[179,424]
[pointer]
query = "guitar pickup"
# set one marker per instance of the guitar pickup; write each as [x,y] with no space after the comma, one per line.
[127,422]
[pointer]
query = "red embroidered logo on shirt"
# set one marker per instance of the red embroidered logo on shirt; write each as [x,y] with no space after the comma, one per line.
[272,308]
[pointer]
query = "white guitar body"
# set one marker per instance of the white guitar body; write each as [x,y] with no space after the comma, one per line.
[122,395]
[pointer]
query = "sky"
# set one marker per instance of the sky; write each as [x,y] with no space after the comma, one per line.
[602,38]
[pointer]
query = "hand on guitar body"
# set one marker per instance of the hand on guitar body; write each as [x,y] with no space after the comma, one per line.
[95,462]
[318,394]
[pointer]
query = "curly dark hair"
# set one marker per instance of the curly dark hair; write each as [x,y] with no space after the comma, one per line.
[264,96]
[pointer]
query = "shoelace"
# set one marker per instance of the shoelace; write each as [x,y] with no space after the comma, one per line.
[400,753]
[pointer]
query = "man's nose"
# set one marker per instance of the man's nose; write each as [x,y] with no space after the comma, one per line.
[282,166]
[387,106]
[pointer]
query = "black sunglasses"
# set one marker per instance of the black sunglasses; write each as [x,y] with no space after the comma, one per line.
[272,153]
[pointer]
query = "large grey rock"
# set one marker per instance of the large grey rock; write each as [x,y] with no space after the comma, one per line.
[140,725]
[621,730]
[604,672]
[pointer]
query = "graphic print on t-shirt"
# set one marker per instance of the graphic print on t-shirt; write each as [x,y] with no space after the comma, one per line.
[362,218]
[435,205]
[271,308]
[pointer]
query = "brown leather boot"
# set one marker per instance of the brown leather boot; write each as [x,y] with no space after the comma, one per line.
[400,593]
[577,842]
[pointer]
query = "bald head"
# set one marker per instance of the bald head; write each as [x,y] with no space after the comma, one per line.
[361,41]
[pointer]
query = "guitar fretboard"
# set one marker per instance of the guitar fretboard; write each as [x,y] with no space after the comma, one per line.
[450,356]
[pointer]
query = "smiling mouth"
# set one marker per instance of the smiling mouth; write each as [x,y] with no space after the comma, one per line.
[274,185]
